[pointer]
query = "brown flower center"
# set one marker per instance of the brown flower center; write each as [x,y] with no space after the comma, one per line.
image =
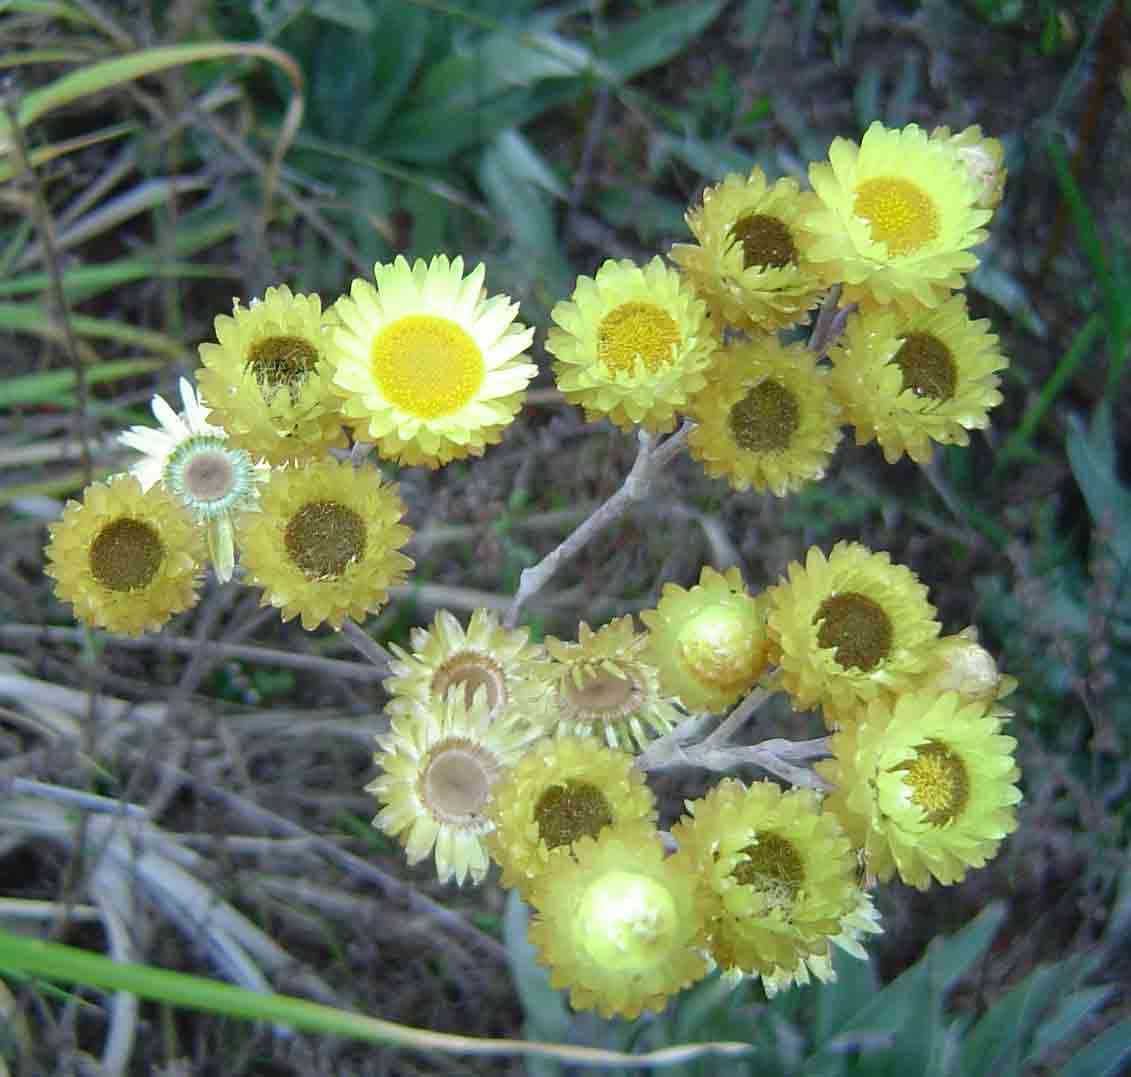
[927,365]
[773,868]
[765,240]
[938,781]
[471,671]
[208,475]
[278,362]
[570,811]
[323,538]
[126,554]
[766,418]
[602,695]
[456,781]
[858,629]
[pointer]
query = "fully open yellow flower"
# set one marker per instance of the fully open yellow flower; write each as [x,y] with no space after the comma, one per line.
[767,419]
[127,559]
[750,261]
[561,790]
[897,218]
[909,381]
[267,381]
[708,643]
[631,344]
[428,368]
[618,924]
[924,786]
[325,544]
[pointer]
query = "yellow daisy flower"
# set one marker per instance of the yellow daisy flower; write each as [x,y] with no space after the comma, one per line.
[982,158]
[925,786]
[604,688]
[631,344]
[438,766]
[897,218]
[767,419]
[445,656]
[267,381]
[908,381]
[428,368]
[561,790]
[749,262]
[126,559]
[845,628]
[776,875]
[708,644]
[325,542]
[617,924]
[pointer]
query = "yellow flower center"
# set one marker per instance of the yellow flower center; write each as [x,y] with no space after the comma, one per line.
[570,811]
[278,362]
[426,365]
[900,214]
[636,333]
[126,554]
[938,782]
[928,366]
[857,628]
[626,921]
[765,241]
[602,695]
[323,538]
[456,781]
[766,418]
[773,868]
[720,647]
[471,670]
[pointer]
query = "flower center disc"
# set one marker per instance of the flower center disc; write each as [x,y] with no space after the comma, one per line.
[718,647]
[473,671]
[603,695]
[278,362]
[765,419]
[636,332]
[570,811]
[900,214]
[938,782]
[927,365]
[773,869]
[457,780]
[858,629]
[625,921]
[126,554]
[323,537]
[426,365]
[765,241]
[208,476]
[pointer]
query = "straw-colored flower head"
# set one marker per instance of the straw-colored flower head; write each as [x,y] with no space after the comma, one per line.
[563,789]
[897,218]
[925,786]
[910,380]
[447,657]
[429,368]
[777,875]
[959,663]
[603,686]
[438,766]
[631,344]
[767,419]
[983,159]
[618,924]
[127,559]
[848,627]
[750,263]
[267,381]
[708,644]
[325,544]
[195,461]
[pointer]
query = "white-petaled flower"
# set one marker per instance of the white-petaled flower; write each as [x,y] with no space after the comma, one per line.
[195,462]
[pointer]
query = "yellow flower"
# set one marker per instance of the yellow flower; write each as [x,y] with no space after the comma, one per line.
[777,875]
[429,369]
[924,786]
[708,644]
[125,558]
[897,218]
[750,262]
[267,382]
[846,628]
[631,344]
[444,657]
[604,688]
[908,381]
[438,767]
[561,790]
[618,924]
[982,158]
[766,419]
[325,542]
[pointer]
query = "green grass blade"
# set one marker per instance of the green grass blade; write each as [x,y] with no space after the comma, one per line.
[84,282]
[32,318]
[53,386]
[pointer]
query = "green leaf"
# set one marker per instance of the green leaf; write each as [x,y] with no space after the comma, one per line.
[545,1008]
[655,38]
[1071,1013]
[837,1001]
[1092,459]
[1104,1056]
[53,386]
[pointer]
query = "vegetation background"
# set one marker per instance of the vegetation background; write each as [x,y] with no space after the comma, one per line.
[136,200]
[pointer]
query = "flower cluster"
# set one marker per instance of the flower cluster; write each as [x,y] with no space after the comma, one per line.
[535,755]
